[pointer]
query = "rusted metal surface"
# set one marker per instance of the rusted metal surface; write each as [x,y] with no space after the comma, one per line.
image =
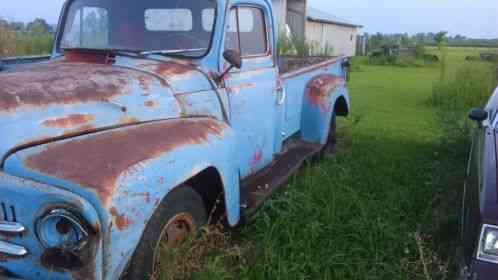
[297,70]
[318,91]
[120,220]
[69,121]
[150,103]
[169,68]
[114,152]
[88,57]
[60,83]
[181,76]
[256,160]
[178,228]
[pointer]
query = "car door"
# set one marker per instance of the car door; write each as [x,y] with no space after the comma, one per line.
[255,107]
[483,147]
[470,210]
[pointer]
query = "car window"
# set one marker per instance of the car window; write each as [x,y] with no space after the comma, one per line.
[180,25]
[168,20]
[232,36]
[252,31]
[208,19]
[246,31]
[89,29]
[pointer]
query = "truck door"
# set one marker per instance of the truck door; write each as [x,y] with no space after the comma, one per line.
[255,101]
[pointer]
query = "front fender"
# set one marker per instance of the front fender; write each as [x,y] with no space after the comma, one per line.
[324,96]
[127,172]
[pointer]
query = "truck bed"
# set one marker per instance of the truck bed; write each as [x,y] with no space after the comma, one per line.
[296,73]
[289,64]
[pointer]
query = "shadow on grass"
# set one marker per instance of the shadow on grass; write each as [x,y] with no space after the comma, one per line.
[383,207]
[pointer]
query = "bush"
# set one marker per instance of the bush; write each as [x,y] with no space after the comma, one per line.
[471,86]
[301,47]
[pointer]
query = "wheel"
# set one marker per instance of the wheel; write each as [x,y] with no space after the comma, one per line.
[330,145]
[179,215]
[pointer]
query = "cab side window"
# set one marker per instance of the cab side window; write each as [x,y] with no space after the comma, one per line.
[247,32]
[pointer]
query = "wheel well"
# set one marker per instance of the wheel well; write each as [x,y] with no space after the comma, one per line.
[341,107]
[209,185]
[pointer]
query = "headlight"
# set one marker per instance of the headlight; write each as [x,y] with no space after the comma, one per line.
[488,244]
[61,229]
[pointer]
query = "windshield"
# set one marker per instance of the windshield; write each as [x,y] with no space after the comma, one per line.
[177,26]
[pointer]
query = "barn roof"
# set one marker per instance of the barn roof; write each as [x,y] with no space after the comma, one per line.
[320,16]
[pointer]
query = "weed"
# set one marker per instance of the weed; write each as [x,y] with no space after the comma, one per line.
[214,253]
[470,86]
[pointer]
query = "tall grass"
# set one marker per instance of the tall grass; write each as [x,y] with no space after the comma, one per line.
[470,86]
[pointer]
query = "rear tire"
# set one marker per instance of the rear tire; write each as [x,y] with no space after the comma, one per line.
[181,213]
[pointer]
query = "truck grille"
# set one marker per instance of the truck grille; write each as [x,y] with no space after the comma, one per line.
[7,212]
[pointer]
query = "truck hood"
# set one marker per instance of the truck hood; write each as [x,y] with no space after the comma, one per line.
[73,96]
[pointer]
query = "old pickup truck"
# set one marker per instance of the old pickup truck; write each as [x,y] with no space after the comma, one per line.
[149,117]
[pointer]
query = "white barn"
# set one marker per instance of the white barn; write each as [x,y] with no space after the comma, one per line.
[318,27]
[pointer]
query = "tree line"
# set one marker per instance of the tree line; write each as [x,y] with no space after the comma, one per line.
[19,38]
[378,40]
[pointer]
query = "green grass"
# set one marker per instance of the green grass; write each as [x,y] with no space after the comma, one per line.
[355,216]
[384,207]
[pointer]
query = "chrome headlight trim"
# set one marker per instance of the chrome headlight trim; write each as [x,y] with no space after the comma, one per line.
[72,219]
[486,230]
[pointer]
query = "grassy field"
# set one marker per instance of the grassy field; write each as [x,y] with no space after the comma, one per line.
[384,207]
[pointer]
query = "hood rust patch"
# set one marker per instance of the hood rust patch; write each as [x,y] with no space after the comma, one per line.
[97,161]
[68,121]
[318,91]
[150,103]
[61,83]
[169,68]
[121,221]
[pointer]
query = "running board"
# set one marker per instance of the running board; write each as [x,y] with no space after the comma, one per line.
[258,188]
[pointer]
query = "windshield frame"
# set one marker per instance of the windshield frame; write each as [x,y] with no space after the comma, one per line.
[59,51]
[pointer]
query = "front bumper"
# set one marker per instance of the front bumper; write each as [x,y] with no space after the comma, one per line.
[22,204]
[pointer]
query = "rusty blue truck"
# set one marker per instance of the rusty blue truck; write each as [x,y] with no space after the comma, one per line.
[148,118]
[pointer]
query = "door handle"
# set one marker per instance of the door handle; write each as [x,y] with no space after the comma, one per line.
[281,96]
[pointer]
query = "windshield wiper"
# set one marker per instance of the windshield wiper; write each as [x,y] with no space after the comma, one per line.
[109,50]
[171,52]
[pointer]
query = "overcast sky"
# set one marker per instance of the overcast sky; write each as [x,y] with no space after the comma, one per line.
[472,18]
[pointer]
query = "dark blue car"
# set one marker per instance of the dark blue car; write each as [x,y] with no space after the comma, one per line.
[479,227]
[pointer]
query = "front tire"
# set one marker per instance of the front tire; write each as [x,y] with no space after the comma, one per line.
[180,214]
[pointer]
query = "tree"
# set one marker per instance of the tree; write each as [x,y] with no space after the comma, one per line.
[440,38]
[38,27]
[7,39]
